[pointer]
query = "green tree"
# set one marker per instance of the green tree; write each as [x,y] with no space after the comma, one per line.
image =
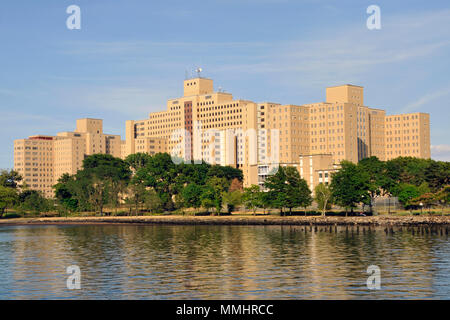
[350,186]
[276,186]
[153,201]
[138,160]
[192,195]
[297,191]
[323,198]
[34,201]
[160,173]
[232,199]
[251,198]
[219,185]
[443,196]
[378,180]
[423,188]
[8,197]
[105,175]
[208,197]
[426,199]
[227,172]
[136,194]
[405,193]
[10,179]
[64,193]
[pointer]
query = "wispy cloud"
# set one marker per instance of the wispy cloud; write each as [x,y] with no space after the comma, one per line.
[426,99]
[349,54]
[440,152]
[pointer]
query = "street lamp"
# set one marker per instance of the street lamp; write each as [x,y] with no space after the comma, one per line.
[421,207]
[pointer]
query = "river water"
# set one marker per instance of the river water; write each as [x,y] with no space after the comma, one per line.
[222,262]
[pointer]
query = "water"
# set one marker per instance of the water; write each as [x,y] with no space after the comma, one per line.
[221,262]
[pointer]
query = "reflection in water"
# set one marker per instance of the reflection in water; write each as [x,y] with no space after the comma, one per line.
[222,262]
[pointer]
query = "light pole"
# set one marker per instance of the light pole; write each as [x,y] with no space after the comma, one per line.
[421,207]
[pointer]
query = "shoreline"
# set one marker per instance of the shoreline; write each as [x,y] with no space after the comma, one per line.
[237,220]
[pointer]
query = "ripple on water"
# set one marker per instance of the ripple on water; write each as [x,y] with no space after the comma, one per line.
[221,262]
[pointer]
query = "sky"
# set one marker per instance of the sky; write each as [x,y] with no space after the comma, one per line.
[130,56]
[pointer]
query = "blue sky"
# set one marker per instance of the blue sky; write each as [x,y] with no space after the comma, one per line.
[130,56]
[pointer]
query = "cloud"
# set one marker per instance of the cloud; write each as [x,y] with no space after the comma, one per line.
[350,53]
[426,99]
[440,152]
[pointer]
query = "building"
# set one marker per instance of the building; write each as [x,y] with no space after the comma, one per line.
[42,160]
[258,137]
[408,135]
[317,169]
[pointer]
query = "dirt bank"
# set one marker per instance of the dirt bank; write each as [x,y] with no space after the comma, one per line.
[240,220]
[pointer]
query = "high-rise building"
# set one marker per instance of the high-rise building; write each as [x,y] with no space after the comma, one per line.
[408,135]
[212,126]
[258,137]
[42,160]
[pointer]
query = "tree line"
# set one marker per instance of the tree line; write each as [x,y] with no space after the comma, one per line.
[410,179]
[142,182]
[16,194]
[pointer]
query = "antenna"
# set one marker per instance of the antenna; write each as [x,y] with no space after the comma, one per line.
[199,72]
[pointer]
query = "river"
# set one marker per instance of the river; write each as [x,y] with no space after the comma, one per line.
[222,262]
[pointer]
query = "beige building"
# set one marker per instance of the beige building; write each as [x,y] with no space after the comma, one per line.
[209,125]
[317,169]
[408,135]
[42,160]
[257,137]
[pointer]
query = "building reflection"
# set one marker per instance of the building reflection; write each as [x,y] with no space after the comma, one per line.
[224,262]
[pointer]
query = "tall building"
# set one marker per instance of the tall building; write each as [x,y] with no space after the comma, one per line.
[257,137]
[209,125]
[408,135]
[42,160]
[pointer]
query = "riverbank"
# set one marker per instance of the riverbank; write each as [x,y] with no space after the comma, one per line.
[240,220]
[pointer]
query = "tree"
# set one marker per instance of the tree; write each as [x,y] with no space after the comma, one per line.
[323,197]
[227,172]
[138,160]
[350,186]
[8,197]
[64,193]
[405,193]
[192,195]
[426,199]
[10,179]
[160,173]
[423,188]
[218,185]
[232,199]
[34,201]
[264,200]
[236,184]
[297,190]
[415,171]
[379,182]
[443,196]
[104,176]
[252,198]
[208,197]
[276,194]
[136,194]
[153,201]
